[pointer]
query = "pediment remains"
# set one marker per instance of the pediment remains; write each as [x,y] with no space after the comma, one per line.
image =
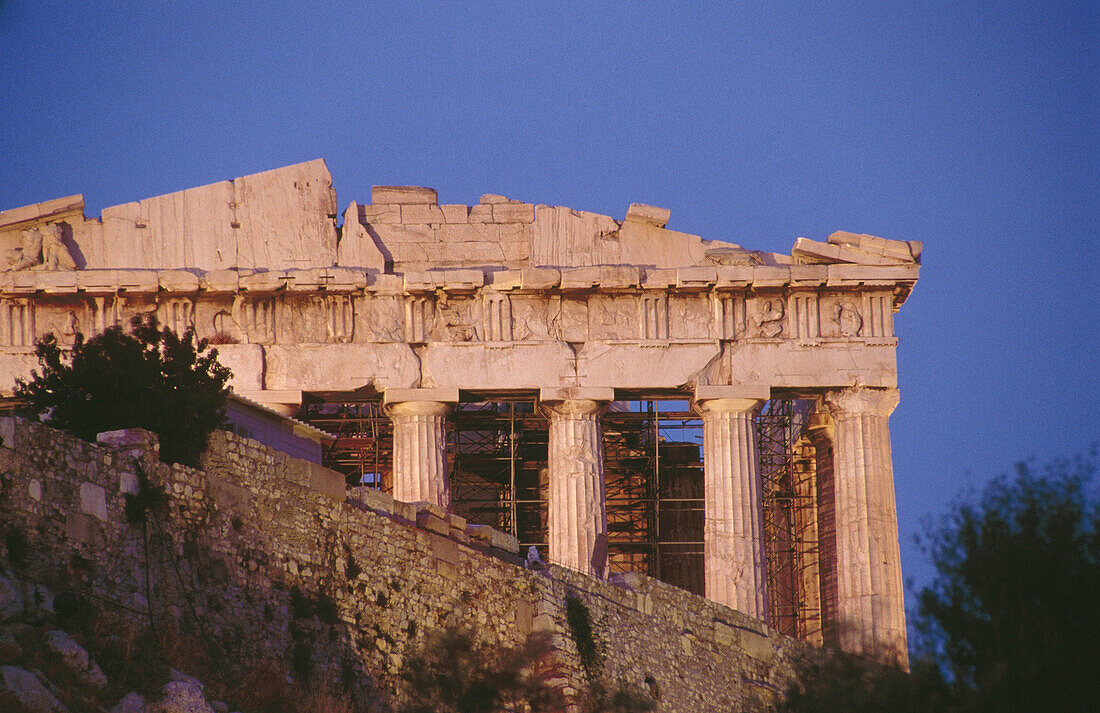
[408,292]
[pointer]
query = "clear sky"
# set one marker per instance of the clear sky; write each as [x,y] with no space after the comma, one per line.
[970,126]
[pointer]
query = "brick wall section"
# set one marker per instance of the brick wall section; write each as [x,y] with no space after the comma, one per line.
[255,524]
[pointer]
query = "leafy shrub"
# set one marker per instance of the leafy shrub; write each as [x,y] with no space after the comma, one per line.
[454,674]
[151,378]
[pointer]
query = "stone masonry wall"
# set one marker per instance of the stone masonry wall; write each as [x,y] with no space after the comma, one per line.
[266,556]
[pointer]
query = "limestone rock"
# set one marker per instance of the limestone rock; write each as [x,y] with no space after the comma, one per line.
[184,696]
[29,690]
[131,703]
[11,601]
[76,658]
[10,650]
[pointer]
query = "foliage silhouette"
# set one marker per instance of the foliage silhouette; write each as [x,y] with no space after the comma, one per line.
[1012,617]
[150,378]
[455,674]
[841,682]
[1009,624]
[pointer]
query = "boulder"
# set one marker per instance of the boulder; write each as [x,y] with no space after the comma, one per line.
[29,691]
[182,697]
[131,703]
[76,658]
[11,600]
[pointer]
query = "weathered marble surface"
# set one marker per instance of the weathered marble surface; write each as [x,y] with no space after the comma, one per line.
[577,525]
[417,300]
[871,602]
[733,531]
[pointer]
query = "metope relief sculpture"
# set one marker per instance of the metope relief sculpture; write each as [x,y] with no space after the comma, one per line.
[613,317]
[568,320]
[457,320]
[380,319]
[42,249]
[689,317]
[256,318]
[226,330]
[768,318]
[66,328]
[529,318]
[847,319]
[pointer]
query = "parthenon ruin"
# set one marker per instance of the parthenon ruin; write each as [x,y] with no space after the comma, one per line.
[619,395]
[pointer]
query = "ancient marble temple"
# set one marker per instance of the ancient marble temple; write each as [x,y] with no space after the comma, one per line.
[427,306]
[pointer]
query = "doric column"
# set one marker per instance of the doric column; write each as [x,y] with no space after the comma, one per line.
[577,496]
[870,601]
[419,443]
[733,530]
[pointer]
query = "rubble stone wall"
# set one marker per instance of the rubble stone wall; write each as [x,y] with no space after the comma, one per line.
[267,556]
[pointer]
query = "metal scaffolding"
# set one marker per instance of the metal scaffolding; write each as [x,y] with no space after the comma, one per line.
[363,447]
[497,453]
[653,469]
[790,521]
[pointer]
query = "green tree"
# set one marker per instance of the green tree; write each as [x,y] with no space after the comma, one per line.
[456,674]
[151,378]
[1011,618]
[1010,622]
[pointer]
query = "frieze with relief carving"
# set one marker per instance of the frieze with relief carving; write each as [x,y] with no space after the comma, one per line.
[768,316]
[42,248]
[613,317]
[690,317]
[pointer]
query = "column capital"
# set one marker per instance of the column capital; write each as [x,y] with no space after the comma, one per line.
[394,396]
[861,400]
[729,399]
[577,393]
[573,408]
[574,401]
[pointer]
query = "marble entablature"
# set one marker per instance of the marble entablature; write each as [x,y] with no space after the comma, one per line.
[417,301]
[410,293]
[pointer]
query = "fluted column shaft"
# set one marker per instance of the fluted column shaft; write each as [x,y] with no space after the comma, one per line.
[577,495]
[870,599]
[420,452]
[733,530]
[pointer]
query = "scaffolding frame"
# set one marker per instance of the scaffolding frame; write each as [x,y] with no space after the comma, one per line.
[791,543]
[653,471]
[497,454]
[497,451]
[363,445]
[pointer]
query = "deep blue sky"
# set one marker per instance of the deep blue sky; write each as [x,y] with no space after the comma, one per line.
[970,126]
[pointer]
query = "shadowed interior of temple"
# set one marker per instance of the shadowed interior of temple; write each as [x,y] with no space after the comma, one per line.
[497,451]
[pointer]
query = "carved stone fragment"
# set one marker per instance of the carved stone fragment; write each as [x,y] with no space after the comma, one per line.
[42,249]
[689,317]
[613,317]
[457,320]
[847,319]
[769,318]
[256,318]
[569,319]
[380,319]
